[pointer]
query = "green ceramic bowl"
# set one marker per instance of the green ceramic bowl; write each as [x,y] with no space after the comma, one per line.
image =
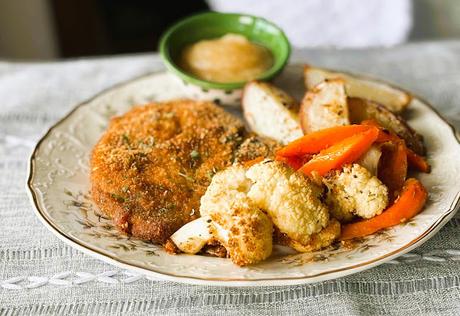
[212,25]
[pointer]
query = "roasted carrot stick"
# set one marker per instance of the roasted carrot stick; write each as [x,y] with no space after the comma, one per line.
[393,167]
[394,161]
[346,151]
[384,135]
[408,204]
[414,159]
[315,142]
[418,162]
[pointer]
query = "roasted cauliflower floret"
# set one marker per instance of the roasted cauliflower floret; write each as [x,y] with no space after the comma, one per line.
[193,236]
[243,229]
[317,241]
[232,181]
[355,191]
[290,198]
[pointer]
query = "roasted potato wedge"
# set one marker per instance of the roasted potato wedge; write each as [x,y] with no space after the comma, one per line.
[324,106]
[360,110]
[271,112]
[394,99]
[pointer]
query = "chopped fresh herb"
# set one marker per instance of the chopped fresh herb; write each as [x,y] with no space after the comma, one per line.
[195,154]
[188,178]
[147,143]
[119,198]
[150,141]
[235,137]
[125,138]
[171,206]
[162,210]
[167,208]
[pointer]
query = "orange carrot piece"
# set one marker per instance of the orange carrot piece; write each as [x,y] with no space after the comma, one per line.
[393,167]
[315,142]
[343,152]
[409,204]
[294,162]
[393,164]
[415,160]
[418,162]
[250,163]
[384,135]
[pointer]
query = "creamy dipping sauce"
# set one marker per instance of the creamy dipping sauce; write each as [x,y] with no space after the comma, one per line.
[230,58]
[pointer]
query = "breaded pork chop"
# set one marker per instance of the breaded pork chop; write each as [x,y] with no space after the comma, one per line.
[153,164]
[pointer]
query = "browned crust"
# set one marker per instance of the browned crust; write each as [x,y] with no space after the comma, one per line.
[153,164]
[255,146]
[171,247]
[361,109]
[215,249]
[150,168]
[408,96]
[317,241]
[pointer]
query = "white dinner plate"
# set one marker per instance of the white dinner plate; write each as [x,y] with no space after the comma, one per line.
[59,182]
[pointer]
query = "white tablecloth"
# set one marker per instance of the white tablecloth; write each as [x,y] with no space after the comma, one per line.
[41,275]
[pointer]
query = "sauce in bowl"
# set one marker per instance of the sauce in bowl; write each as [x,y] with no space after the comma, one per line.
[230,58]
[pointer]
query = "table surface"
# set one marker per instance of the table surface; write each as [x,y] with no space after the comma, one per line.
[41,275]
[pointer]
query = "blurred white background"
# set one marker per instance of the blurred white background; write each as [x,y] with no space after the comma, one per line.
[50,29]
[342,23]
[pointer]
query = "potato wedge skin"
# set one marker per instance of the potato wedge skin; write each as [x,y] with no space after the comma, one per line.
[324,106]
[360,110]
[271,112]
[393,98]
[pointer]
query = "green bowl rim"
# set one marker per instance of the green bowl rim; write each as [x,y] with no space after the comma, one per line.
[170,65]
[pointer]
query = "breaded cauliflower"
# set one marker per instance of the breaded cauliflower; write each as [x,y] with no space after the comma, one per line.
[233,181]
[290,198]
[319,240]
[355,191]
[243,229]
[191,237]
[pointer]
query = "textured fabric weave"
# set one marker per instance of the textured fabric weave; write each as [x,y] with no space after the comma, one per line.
[35,267]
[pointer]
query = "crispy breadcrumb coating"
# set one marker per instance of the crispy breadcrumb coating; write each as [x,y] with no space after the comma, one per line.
[256,146]
[153,164]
